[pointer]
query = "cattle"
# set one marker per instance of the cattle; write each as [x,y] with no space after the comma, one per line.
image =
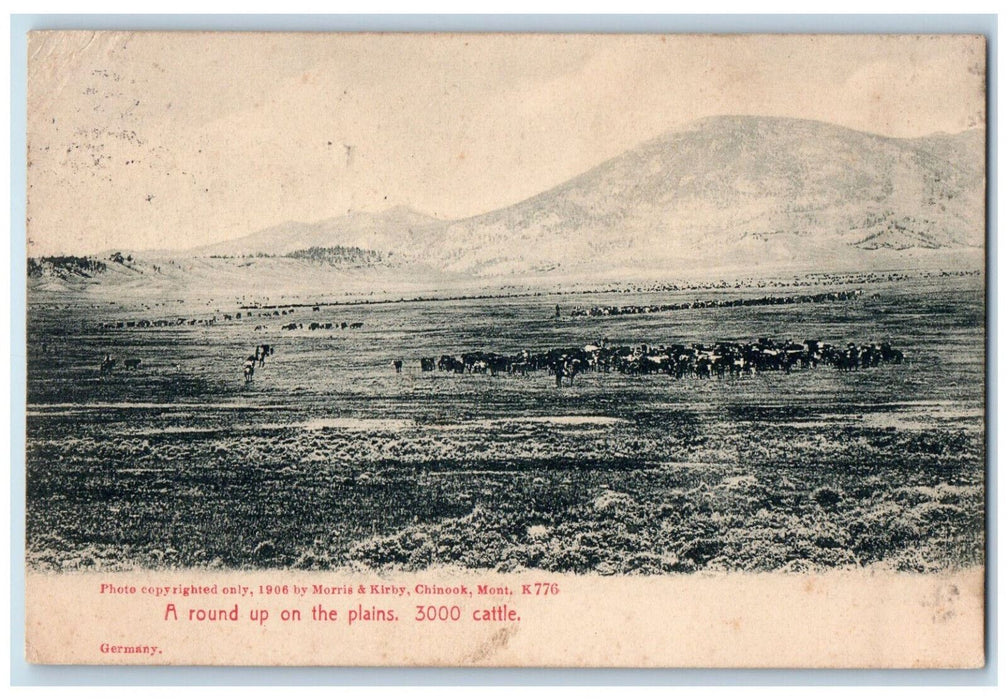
[558,374]
[397,363]
[131,363]
[825,297]
[449,363]
[426,364]
[720,360]
[571,368]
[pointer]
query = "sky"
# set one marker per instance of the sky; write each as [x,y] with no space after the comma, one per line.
[157,140]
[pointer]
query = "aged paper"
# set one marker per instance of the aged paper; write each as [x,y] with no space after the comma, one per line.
[506,350]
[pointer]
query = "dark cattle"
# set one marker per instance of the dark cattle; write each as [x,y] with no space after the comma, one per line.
[706,304]
[890,355]
[571,368]
[397,363]
[357,324]
[721,360]
[426,364]
[448,363]
[131,363]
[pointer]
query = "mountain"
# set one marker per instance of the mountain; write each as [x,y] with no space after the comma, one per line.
[731,191]
[369,231]
[754,191]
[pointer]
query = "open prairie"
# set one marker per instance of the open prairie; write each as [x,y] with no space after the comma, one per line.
[328,458]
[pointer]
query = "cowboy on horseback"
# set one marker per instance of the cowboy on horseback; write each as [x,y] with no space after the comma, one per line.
[106,365]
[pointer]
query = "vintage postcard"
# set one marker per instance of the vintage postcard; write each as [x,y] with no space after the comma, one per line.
[506,350]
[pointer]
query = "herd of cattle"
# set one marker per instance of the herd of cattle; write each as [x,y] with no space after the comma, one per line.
[158,323]
[319,326]
[722,359]
[715,303]
[172,322]
[701,361]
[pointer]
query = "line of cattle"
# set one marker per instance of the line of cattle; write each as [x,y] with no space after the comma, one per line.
[169,323]
[679,361]
[701,361]
[319,326]
[715,303]
[158,323]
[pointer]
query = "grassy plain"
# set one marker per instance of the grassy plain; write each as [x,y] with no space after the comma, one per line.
[329,459]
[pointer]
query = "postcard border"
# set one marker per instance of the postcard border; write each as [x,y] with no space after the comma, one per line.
[24,674]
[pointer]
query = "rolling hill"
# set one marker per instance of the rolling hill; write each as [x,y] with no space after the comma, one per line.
[729,193]
[755,190]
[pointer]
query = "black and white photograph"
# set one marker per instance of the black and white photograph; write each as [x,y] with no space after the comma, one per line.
[600,307]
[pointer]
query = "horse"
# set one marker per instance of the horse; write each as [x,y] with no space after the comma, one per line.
[107,365]
[261,352]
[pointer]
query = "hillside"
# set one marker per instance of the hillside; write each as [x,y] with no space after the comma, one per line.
[743,191]
[757,191]
[725,195]
[379,232]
